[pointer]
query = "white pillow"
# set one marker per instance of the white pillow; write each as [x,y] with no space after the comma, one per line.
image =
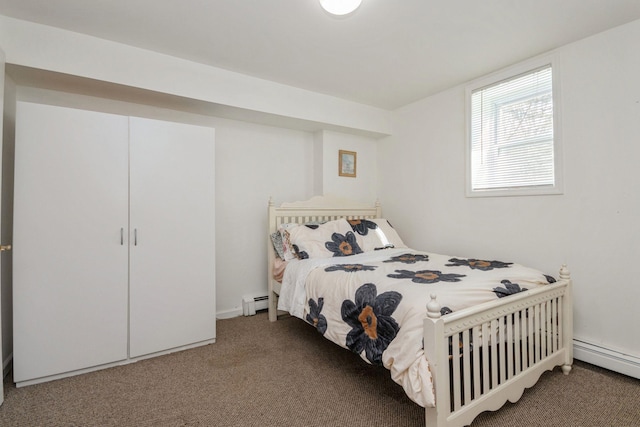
[375,234]
[333,238]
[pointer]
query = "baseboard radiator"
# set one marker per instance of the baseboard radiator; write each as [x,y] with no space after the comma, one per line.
[253,303]
[609,359]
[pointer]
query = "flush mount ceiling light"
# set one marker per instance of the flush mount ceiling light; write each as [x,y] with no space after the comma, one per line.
[340,7]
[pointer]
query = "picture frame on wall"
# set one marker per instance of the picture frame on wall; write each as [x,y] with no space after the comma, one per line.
[347,163]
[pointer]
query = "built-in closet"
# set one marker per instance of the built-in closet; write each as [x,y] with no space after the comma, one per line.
[113,240]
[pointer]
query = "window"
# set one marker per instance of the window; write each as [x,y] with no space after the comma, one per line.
[513,148]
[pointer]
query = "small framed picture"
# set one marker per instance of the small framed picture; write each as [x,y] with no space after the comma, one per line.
[347,163]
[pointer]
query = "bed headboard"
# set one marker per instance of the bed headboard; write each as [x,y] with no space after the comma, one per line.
[318,208]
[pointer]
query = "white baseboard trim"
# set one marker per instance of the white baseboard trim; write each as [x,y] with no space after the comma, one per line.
[236,312]
[228,314]
[609,359]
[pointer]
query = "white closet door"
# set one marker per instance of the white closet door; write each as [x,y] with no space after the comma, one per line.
[3,335]
[69,262]
[172,273]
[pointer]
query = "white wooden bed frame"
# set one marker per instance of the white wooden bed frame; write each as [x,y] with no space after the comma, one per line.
[536,333]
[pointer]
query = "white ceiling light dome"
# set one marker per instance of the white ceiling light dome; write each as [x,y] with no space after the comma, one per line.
[340,7]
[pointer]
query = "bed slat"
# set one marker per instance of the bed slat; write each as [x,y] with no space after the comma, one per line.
[489,352]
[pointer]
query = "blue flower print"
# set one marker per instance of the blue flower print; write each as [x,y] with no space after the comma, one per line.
[343,245]
[408,258]
[369,316]
[509,289]
[478,264]
[426,276]
[350,268]
[362,226]
[315,318]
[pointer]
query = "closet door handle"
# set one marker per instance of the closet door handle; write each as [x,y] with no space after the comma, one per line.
[135,237]
[121,236]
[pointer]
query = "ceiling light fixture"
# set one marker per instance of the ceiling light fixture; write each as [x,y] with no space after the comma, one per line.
[340,7]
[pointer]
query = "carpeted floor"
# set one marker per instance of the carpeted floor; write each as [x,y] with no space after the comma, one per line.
[284,373]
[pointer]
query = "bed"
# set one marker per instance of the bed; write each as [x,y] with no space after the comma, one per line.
[461,335]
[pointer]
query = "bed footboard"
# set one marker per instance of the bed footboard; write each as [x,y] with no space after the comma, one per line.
[482,357]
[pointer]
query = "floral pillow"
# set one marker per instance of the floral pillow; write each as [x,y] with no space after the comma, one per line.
[331,239]
[278,244]
[284,243]
[375,234]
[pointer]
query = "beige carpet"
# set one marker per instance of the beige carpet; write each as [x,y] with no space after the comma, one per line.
[286,374]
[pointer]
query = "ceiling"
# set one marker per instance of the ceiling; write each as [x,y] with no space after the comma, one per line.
[387,54]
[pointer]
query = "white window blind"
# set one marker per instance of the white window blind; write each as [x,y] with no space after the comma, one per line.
[511,133]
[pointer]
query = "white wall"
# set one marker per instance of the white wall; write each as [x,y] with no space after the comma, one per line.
[47,48]
[362,187]
[593,226]
[253,163]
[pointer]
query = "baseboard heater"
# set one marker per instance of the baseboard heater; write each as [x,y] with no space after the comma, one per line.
[251,304]
[610,359]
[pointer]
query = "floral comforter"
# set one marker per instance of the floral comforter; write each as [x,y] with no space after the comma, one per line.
[374,303]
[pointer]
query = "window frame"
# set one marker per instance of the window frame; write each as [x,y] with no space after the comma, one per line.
[504,75]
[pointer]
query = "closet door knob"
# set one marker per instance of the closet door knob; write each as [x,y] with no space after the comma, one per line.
[4,248]
[121,236]
[135,237]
